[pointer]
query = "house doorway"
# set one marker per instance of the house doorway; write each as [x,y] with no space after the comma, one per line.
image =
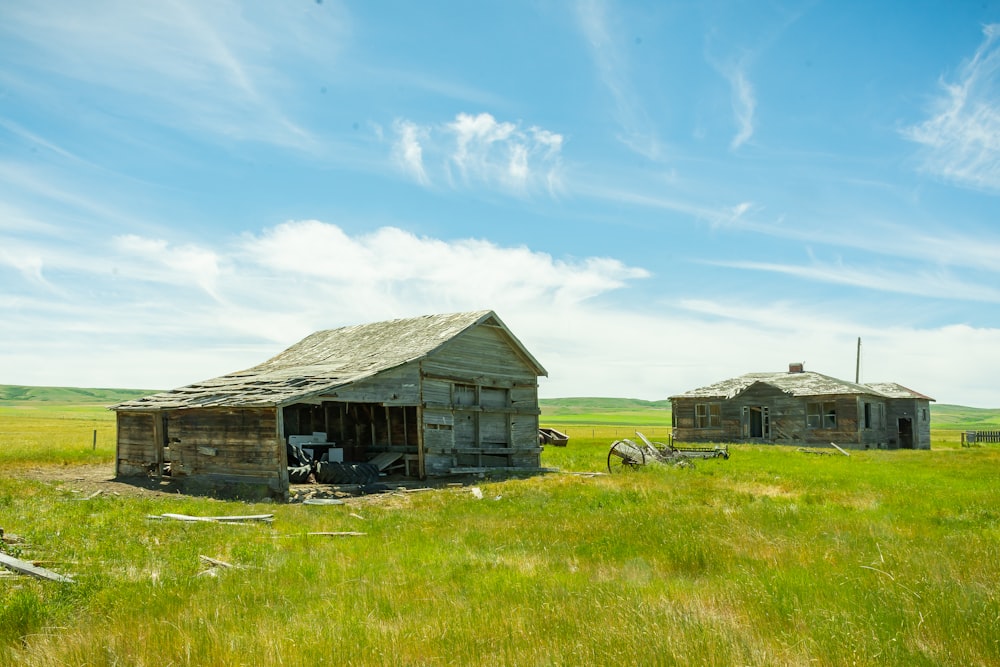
[756,422]
[905,433]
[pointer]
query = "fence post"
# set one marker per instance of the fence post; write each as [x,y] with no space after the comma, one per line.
[94,448]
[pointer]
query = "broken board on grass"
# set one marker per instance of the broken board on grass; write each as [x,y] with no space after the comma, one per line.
[246,518]
[25,567]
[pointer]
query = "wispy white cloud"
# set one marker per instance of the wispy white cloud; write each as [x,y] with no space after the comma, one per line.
[962,136]
[157,260]
[36,140]
[939,283]
[638,132]
[210,69]
[479,150]
[744,104]
[29,265]
[735,70]
[407,151]
[942,247]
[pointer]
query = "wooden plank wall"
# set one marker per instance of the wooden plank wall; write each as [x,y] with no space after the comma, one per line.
[918,412]
[490,393]
[787,418]
[397,385]
[232,442]
[136,451]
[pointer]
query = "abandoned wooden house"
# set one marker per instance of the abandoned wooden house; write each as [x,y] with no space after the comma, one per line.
[803,407]
[425,396]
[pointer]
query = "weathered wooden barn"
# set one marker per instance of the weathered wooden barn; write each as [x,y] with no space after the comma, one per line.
[803,407]
[433,395]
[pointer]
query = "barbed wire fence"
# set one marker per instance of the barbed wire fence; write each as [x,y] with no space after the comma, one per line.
[600,431]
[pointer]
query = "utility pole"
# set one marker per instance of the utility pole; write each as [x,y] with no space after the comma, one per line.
[857,364]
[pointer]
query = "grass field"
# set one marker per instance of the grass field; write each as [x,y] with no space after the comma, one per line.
[774,557]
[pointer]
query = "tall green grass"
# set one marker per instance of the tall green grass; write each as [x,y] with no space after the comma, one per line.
[774,557]
[56,435]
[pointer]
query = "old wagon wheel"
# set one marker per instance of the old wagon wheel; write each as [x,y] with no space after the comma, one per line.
[625,455]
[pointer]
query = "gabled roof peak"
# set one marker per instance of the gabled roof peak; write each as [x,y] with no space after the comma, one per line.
[332,358]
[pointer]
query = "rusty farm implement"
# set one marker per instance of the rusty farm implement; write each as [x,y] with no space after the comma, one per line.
[626,454]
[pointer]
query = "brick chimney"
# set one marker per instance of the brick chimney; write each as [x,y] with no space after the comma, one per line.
[798,367]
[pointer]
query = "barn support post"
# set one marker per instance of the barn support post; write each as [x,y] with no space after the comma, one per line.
[420,423]
[118,440]
[158,444]
[279,436]
[340,410]
[420,440]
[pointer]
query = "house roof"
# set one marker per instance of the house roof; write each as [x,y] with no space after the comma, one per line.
[804,383]
[328,359]
[894,390]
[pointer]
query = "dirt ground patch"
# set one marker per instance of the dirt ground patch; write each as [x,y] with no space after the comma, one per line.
[92,479]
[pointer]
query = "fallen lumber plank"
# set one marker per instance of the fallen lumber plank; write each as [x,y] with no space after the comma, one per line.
[385,459]
[214,562]
[341,533]
[839,449]
[217,519]
[25,567]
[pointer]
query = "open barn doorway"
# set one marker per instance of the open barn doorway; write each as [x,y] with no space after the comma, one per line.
[368,439]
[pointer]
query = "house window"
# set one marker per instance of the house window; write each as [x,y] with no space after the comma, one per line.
[923,414]
[821,414]
[868,415]
[707,415]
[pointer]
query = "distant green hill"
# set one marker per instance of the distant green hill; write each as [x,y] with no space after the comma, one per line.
[554,410]
[590,405]
[12,394]
[962,418]
[606,411]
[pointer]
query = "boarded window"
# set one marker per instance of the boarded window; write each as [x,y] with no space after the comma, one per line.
[465,395]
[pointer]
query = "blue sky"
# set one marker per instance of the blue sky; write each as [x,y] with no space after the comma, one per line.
[653,196]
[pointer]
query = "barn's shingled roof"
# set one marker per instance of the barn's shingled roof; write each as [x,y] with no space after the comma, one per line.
[804,383]
[329,359]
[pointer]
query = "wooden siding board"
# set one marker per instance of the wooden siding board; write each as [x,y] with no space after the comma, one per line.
[787,416]
[436,392]
[465,432]
[482,352]
[492,392]
[136,449]
[494,430]
[244,440]
[399,386]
